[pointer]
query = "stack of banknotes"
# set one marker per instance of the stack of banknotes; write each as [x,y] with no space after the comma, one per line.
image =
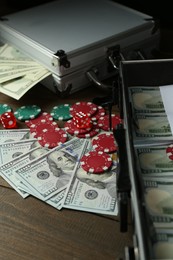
[18,73]
[152,136]
[54,175]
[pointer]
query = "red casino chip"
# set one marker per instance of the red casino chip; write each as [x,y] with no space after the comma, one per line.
[52,138]
[96,162]
[43,126]
[104,142]
[169,151]
[104,123]
[87,108]
[72,129]
[99,113]
[93,132]
[43,116]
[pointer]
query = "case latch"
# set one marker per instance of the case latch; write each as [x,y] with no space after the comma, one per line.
[62,57]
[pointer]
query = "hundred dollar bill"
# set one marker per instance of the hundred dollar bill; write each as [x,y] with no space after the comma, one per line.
[15,74]
[163,246]
[16,82]
[16,67]
[50,173]
[159,201]
[153,126]
[11,150]
[153,161]
[7,170]
[95,193]
[10,52]
[56,201]
[15,135]
[146,99]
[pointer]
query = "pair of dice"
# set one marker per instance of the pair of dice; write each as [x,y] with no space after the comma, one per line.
[8,120]
[81,120]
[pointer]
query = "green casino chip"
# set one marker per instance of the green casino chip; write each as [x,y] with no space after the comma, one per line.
[5,108]
[27,112]
[61,112]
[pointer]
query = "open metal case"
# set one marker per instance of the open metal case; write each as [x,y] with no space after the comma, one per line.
[131,184]
[74,39]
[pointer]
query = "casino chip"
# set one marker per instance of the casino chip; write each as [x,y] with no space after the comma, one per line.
[42,116]
[87,108]
[93,132]
[169,151]
[61,112]
[5,108]
[103,122]
[27,112]
[96,162]
[43,126]
[99,113]
[72,129]
[104,142]
[52,138]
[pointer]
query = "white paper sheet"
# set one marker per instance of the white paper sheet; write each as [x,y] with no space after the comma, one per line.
[167,97]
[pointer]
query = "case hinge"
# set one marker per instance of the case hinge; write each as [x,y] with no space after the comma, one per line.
[62,57]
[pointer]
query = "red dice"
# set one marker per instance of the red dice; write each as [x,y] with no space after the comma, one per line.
[81,120]
[8,120]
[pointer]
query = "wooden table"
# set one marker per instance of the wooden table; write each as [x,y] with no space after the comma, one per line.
[31,229]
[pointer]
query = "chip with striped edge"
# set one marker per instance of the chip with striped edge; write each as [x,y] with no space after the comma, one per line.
[104,142]
[61,112]
[27,112]
[52,138]
[87,108]
[96,162]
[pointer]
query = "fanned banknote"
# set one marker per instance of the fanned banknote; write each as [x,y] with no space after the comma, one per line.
[11,150]
[18,73]
[50,173]
[95,193]
[7,170]
[11,135]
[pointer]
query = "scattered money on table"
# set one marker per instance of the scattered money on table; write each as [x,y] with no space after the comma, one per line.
[52,171]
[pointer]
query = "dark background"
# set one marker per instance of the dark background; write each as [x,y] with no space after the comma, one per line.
[161,11]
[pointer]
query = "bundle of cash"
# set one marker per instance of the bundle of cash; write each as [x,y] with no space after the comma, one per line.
[54,175]
[163,244]
[150,120]
[146,99]
[18,73]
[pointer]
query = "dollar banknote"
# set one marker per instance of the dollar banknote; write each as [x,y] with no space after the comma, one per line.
[7,170]
[19,73]
[151,126]
[9,52]
[159,201]
[11,135]
[146,99]
[49,174]
[154,161]
[163,245]
[11,150]
[94,193]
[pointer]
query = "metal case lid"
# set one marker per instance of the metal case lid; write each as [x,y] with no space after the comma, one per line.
[80,30]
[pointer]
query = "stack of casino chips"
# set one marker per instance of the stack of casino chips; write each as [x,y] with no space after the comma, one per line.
[98,120]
